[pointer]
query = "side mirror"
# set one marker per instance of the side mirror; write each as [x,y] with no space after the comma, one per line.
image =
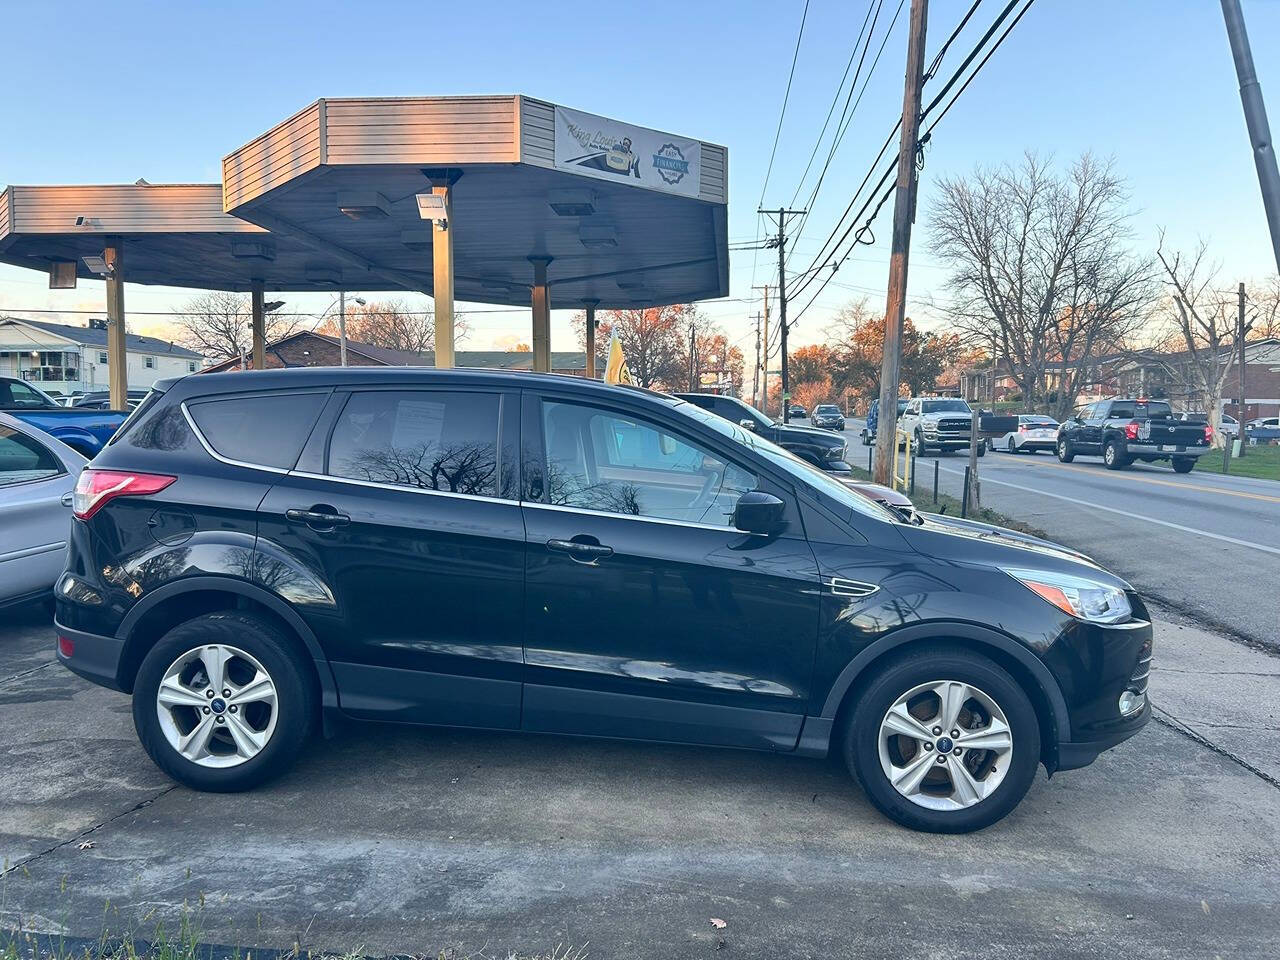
[746,423]
[758,512]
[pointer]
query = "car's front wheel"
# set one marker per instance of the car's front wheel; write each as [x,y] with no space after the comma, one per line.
[943,740]
[223,702]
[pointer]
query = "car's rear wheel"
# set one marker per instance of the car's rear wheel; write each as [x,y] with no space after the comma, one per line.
[1012,447]
[1065,453]
[1183,464]
[1112,457]
[943,740]
[223,702]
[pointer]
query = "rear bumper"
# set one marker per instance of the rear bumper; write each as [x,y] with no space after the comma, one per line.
[1136,448]
[94,657]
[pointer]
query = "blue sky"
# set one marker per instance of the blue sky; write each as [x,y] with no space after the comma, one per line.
[164,90]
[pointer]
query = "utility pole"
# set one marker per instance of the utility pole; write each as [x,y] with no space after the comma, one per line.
[693,359]
[1255,118]
[763,405]
[342,327]
[904,211]
[1241,331]
[780,241]
[755,378]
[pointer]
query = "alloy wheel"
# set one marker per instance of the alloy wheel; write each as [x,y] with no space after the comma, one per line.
[945,745]
[217,706]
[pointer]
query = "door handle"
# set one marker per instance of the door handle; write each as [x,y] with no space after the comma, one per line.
[320,517]
[582,552]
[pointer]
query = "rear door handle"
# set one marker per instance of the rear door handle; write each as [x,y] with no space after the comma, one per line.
[590,553]
[318,518]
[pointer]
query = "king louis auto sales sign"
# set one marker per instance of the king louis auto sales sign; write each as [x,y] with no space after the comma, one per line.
[609,150]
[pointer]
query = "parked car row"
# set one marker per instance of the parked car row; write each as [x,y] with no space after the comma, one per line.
[85,429]
[418,546]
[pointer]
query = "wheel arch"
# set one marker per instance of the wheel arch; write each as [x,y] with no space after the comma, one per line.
[1035,678]
[183,600]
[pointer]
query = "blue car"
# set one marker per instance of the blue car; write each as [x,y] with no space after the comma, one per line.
[873,417]
[86,431]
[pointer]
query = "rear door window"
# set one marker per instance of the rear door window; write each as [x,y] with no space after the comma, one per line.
[267,430]
[23,459]
[424,439]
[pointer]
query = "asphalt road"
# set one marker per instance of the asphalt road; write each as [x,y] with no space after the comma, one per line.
[413,841]
[1202,543]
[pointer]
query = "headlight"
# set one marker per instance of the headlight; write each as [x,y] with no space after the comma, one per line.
[1078,596]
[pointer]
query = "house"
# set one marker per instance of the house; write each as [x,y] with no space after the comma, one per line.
[65,359]
[307,348]
[1160,375]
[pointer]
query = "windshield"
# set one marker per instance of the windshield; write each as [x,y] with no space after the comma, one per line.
[943,406]
[798,469]
[826,408]
[1047,421]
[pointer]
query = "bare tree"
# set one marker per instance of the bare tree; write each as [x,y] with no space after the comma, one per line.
[217,325]
[1264,299]
[1041,269]
[1196,340]
[392,325]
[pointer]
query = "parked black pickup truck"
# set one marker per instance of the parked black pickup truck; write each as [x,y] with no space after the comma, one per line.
[1124,430]
[822,448]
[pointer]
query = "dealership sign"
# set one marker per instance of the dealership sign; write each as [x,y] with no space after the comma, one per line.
[609,150]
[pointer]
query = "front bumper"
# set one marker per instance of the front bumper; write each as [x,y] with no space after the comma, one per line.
[1073,755]
[94,657]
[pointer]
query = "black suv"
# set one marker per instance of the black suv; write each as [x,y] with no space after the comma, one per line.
[255,555]
[819,447]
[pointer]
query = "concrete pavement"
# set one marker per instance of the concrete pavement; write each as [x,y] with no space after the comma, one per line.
[1202,543]
[405,840]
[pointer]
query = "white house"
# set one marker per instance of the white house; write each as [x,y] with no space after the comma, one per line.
[66,359]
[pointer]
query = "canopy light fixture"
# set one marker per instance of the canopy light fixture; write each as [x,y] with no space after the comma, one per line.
[98,265]
[596,236]
[632,281]
[364,205]
[253,250]
[62,275]
[432,206]
[271,306]
[572,203]
[416,239]
[322,273]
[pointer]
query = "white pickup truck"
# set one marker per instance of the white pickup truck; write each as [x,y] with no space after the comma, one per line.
[937,423]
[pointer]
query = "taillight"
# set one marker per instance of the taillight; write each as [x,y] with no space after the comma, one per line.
[1022,428]
[95,488]
[1208,433]
[1131,430]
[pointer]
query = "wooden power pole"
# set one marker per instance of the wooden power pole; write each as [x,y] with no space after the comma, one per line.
[763,404]
[904,210]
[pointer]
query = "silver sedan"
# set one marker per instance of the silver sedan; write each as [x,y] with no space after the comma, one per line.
[1033,433]
[37,476]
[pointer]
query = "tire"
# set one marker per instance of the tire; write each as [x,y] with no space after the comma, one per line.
[1112,457]
[920,668]
[1183,464]
[982,449]
[921,449]
[294,710]
[1065,453]
[1012,448]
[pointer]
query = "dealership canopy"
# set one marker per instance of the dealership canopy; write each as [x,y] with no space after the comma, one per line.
[503,199]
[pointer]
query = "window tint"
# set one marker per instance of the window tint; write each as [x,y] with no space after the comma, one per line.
[266,430]
[1121,408]
[1153,408]
[600,460]
[23,458]
[427,439]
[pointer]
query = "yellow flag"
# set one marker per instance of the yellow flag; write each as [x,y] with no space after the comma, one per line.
[615,371]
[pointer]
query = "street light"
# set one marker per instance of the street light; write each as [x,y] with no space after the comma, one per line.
[341,304]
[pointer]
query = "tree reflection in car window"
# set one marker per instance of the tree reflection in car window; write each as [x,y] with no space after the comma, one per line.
[599,460]
[427,439]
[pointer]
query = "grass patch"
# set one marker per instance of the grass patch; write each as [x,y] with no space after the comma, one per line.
[1260,462]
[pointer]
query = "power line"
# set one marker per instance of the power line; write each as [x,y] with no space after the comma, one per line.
[795,56]
[834,263]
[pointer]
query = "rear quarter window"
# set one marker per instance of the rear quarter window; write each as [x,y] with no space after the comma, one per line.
[267,430]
